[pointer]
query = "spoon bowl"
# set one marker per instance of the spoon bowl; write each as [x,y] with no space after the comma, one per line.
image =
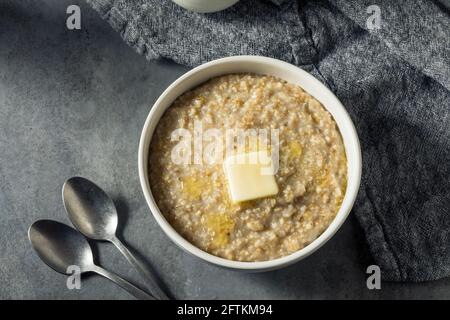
[90,209]
[60,246]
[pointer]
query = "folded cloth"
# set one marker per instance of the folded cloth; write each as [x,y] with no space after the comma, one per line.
[392,74]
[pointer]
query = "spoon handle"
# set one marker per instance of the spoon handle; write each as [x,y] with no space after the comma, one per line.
[124,284]
[155,289]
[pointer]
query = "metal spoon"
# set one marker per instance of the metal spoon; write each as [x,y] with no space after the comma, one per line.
[61,246]
[93,213]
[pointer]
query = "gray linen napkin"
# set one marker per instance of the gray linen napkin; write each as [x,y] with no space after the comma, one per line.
[394,81]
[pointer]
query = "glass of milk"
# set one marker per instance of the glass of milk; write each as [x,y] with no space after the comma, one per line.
[205,5]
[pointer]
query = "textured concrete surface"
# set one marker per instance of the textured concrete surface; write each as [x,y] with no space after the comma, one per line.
[74,103]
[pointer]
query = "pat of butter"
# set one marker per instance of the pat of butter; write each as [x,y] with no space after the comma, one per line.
[250,176]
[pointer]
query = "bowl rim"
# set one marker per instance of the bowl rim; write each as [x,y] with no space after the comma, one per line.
[205,6]
[342,214]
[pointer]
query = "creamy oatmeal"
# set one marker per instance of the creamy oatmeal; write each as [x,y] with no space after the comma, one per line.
[311,178]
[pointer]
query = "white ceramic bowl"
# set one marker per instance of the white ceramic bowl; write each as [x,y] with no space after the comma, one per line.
[290,73]
[205,6]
